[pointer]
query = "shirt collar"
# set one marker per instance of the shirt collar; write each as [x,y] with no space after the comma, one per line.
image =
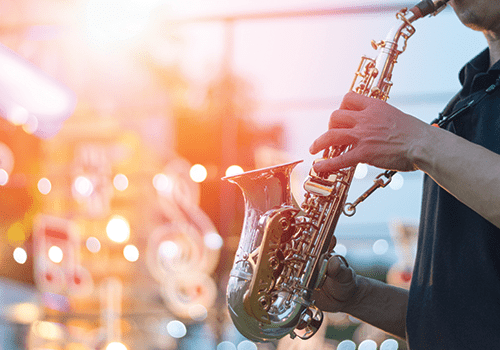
[478,64]
[478,67]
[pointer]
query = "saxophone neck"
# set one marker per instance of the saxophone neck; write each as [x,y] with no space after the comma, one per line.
[428,7]
[373,77]
[420,10]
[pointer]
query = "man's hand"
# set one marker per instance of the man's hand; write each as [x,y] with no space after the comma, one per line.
[340,289]
[372,301]
[380,135]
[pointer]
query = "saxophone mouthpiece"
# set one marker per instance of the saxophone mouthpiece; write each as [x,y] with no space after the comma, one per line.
[428,7]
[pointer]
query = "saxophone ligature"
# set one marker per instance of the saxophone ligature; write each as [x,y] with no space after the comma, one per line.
[284,249]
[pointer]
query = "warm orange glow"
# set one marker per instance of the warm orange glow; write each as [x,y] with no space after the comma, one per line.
[113,24]
[16,232]
[23,313]
[76,346]
[48,330]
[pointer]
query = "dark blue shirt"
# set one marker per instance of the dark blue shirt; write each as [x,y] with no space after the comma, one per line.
[454,298]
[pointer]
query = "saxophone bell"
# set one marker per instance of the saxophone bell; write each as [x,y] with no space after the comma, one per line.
[260,311]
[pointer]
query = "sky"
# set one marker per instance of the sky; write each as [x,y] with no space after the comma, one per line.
[300,69]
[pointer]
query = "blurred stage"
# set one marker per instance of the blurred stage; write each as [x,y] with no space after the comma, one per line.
[118,121]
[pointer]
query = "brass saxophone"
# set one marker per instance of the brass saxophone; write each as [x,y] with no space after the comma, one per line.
[284,249]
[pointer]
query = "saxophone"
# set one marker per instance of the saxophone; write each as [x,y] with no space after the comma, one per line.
[284,249]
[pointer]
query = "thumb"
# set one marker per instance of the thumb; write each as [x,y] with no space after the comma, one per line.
[338,269]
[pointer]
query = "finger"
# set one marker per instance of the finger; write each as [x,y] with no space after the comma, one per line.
[343,161]
[333,137]
[355,102]
[342,119]
[338,270]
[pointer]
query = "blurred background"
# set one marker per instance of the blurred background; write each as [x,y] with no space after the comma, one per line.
[119,119]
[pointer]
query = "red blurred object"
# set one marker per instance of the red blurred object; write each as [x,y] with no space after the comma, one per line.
[15,202]
[406,276]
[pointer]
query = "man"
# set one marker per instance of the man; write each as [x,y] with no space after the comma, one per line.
[454,298]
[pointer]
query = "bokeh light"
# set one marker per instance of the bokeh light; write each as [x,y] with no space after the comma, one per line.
[247,345]
[18,115]
[234,170]
[116,346]
[131,253]
[168,249]
[56,254]
[31,125]
[162,183]
[176,329]
[20,255]
[4,177]
[226,345]
[213,240]
[198,173]
[83,186]
[118,229]
[397,182]
[198,312]
[361,171]
[380,247]
[341,249]
[346,345]
[368,344]
[93,245]
[44,185]
[23,313]
[389,344]
[48,330]
[120,181]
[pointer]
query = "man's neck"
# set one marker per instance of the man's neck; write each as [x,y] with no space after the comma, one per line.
[493,40]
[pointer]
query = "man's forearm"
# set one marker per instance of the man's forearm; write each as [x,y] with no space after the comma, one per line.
[382,306]
[468,171]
